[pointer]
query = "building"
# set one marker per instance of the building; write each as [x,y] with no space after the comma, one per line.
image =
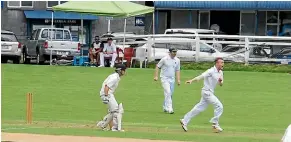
[237,18]
[22,17]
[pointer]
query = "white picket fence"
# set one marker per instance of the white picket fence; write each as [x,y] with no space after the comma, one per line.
[197,40]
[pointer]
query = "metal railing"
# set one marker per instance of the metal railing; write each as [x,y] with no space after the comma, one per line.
[249,43]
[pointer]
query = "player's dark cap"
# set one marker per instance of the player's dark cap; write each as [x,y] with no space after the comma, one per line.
[120,67]
[172,49]
[108,39]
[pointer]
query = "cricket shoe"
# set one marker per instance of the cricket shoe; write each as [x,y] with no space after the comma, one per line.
[217,129]
[171,112]
[183,125]
[115,130]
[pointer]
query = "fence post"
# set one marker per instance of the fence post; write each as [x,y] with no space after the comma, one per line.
[247,53]
[197,48]
[149,44]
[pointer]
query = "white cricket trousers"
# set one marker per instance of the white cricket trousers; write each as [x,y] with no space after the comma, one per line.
[287,135]
[102,55]
[207,98]
[168,85]
[113,111]
[112,103]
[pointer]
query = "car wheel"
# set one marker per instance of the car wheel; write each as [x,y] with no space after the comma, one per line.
[38,61]
[17,60]
[25,59]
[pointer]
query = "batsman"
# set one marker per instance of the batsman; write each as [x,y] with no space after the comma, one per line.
[115,110]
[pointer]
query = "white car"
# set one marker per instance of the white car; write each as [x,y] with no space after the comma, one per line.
[11,48]
[189,31]
[186,51]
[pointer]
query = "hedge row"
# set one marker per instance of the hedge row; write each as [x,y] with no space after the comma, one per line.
[233,67]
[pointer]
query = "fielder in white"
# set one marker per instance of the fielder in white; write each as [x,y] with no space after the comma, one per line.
[115,110]
[287,135]
[170,66]
[212,77]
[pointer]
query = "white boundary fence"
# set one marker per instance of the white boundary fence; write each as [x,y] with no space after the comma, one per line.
[197,40]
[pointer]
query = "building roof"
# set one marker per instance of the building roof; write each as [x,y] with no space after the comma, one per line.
[224,5]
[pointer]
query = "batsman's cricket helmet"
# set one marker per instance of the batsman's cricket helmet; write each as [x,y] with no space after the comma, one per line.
[119,67]
[172,49]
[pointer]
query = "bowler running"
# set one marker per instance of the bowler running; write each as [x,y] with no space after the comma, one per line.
[170,66]
[211,77]
[115,110]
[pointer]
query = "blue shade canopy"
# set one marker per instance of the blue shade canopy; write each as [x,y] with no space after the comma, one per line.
[43,14]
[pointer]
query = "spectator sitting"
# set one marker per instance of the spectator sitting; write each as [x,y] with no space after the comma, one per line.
[94,50]
[109,50]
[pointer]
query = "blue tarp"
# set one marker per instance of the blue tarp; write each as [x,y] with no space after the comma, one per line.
[43,14]
[225,5]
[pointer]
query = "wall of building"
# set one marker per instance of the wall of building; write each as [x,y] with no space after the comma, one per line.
[188,20]
[261,31]
[13,19]
[178,19]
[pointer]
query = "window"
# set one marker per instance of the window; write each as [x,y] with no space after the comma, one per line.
[55,34]
[179,46]
[67,35]
[33,35]
[59,34]
[160,45]
[231,49]
[272,23]
[44,34]
[50,4]
[205,48]
[20,4]
[8,37]
[204,19]
[286,52]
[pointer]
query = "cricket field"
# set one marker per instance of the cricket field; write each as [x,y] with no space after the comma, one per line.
[66,103]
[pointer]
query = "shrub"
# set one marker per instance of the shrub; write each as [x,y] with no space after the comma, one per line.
[233,67]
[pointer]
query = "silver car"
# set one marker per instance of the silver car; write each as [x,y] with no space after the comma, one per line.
[11,48]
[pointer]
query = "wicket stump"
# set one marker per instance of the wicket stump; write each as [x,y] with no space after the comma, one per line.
[29,108]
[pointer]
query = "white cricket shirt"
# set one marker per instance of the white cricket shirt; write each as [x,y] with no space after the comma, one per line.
[109,48]
[96,45]
[112,82]
[169,66]
[211,77]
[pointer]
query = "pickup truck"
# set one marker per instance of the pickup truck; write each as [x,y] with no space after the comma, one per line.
[47,42]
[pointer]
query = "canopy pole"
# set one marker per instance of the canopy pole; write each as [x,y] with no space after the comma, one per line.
[124,30]
[82,32]
[52,26]
[154,23]
[108,28]
[154,32]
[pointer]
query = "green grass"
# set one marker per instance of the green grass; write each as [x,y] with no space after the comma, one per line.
[66,101]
